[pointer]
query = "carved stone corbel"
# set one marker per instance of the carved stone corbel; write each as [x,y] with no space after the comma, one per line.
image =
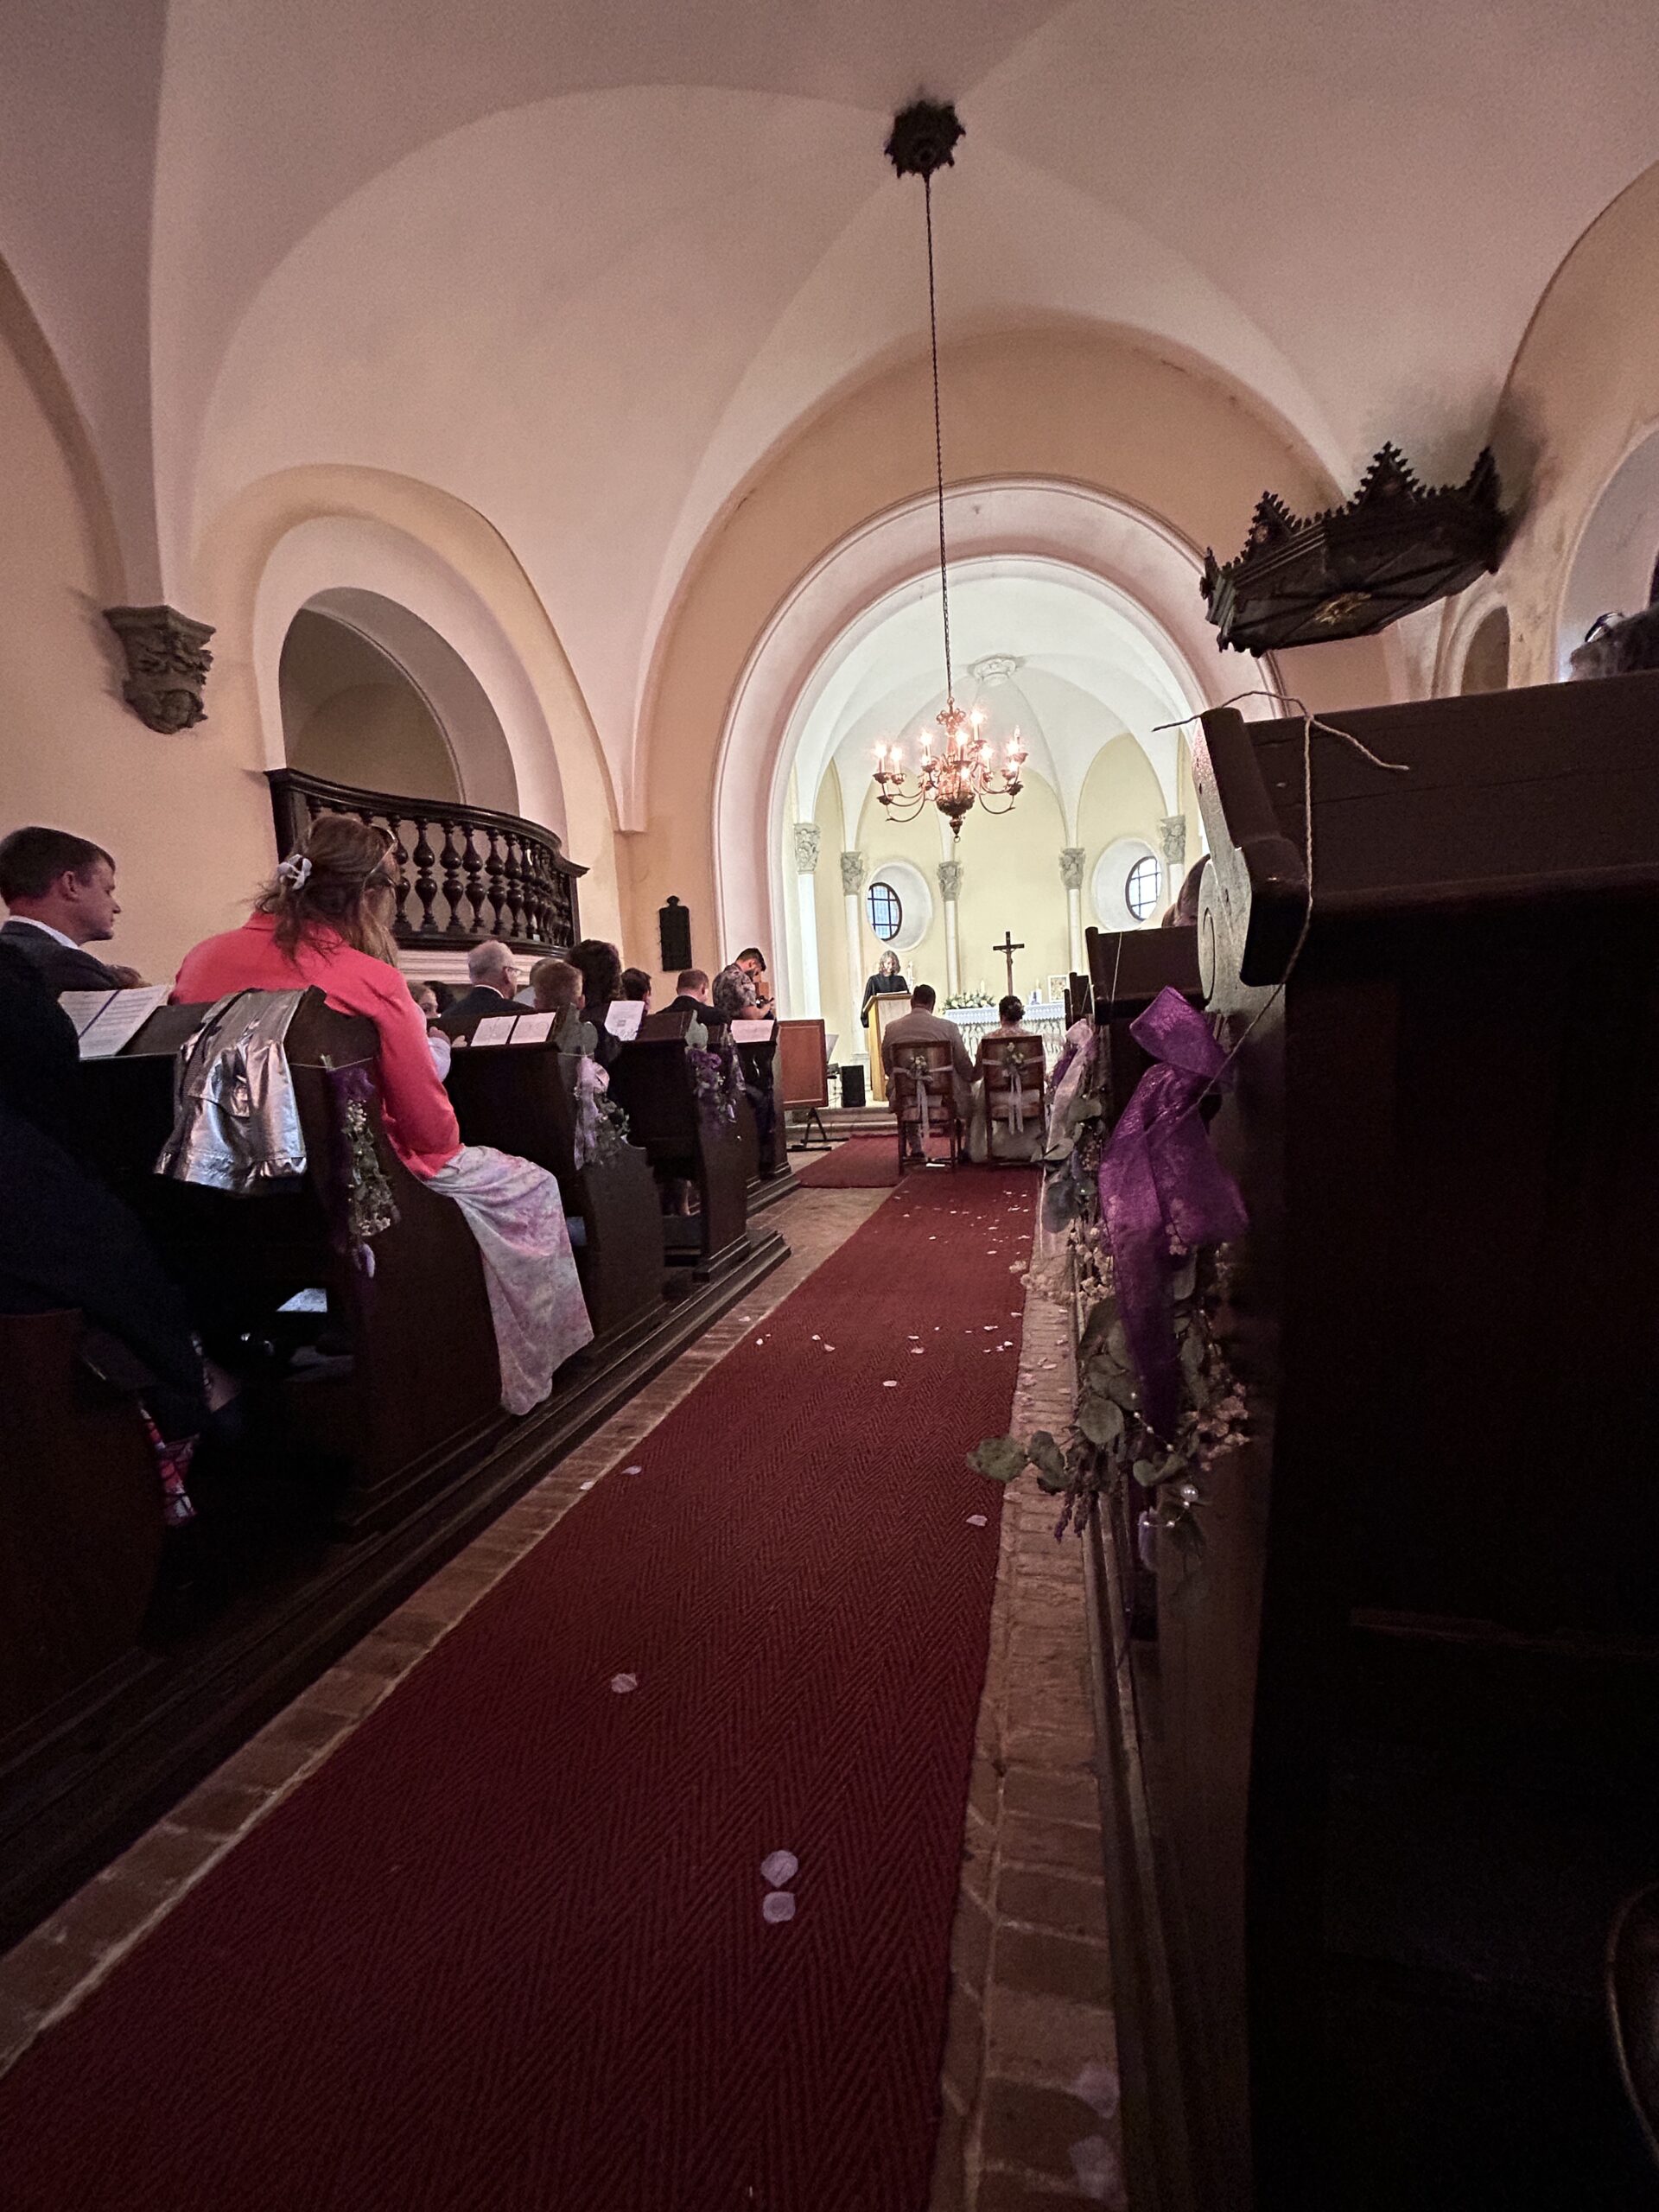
[852,868]
[808,838]
[1072,859]
[168,661]
[950,880]
[1171,831]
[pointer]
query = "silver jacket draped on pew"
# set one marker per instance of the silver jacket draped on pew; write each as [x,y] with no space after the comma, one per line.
[236,1123]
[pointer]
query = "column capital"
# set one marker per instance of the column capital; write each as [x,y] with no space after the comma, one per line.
[853,868]
[1072,858]
[807,837]
[949,873]
[1171,832]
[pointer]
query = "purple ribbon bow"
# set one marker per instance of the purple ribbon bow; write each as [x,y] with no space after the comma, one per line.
[1163,1193]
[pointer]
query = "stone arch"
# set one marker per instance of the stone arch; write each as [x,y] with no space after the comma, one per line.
[305,534]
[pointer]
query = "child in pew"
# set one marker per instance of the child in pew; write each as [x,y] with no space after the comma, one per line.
[326,919]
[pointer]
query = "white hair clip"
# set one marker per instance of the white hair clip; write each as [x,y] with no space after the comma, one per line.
[296,871]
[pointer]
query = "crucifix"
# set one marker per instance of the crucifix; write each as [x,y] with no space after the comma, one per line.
[1008,949]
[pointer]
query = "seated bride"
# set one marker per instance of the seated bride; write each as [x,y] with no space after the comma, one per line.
[326,918]
[1018,1134]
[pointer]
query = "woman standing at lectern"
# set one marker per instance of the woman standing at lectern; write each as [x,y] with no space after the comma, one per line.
[886,980]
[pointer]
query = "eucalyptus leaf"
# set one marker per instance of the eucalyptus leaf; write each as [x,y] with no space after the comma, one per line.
[1054,1481]
[999,1458]
[1045,1455]
[1099,1418]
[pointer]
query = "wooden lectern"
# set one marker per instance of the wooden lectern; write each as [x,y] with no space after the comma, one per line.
[885,1010]
[1383,1778]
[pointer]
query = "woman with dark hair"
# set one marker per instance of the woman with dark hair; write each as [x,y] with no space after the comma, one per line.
[325,919]
[887,980]
[600,966]
[636,985]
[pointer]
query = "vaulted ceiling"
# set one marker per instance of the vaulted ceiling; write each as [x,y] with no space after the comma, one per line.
[582,265]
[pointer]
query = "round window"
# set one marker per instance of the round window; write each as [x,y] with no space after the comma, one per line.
[1142,885]
[886,913]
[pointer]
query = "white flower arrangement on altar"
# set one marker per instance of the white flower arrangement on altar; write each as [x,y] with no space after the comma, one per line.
[965,1001]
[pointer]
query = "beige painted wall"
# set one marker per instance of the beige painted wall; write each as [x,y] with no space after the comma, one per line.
[1077,402]
[1121,797]
[188,822]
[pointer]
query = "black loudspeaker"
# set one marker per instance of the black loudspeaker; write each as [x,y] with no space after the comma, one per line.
[852,1085]
[674,931]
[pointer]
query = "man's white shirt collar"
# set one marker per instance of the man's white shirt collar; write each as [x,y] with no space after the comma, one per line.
[29,922]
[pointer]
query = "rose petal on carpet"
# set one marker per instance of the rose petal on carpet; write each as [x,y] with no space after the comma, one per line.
[510,1945]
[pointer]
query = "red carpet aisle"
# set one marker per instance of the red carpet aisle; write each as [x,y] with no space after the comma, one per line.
[506,1949]
[862,1163]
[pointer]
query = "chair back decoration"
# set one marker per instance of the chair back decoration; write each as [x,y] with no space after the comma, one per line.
[1013,1070]
[236,1123]
[921,1075]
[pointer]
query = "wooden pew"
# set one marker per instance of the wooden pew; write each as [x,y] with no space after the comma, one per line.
[1126,971]
[423,1379]
[80,1518]
[653,1081]
[521,1098]
[1398,1741]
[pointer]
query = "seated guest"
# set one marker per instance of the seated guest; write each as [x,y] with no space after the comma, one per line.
[922,1026]
[636,985]
[68,1242]
[494,981]
[741,993]
[600,966]
[1184,914]
[436,1043]
[326,919]
[692,987]
[1010,1143]
[555,986]
[61,894]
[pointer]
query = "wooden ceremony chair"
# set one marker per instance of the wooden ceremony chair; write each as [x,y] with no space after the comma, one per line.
[921,1086]
[1011,1070]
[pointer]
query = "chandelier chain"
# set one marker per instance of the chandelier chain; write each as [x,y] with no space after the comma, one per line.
[938,438]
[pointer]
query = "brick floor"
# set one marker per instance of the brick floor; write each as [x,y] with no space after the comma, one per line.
[51,1970]
[1029,2085]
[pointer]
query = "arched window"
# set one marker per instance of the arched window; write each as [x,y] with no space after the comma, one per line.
[1142,885]
[885,912]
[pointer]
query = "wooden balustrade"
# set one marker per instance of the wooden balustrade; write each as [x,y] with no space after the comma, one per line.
[464,873]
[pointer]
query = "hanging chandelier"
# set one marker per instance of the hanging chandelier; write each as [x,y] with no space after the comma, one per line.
[963,769]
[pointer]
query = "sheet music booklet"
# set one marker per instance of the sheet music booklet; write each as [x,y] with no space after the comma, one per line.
[106,1020]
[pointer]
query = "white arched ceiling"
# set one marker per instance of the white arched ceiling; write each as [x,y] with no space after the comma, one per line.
[583,266]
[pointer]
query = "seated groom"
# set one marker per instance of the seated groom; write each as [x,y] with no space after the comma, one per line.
[922,1026]
[60,892]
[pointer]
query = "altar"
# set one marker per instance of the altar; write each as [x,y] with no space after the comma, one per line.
[1045,1016]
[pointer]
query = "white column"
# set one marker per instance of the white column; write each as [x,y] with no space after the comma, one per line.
[852,868]
[807,837]
[1071,864]
[949,873]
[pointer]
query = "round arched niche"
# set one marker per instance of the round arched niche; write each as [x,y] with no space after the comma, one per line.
[1616,564]
[1486,659]
[352,714]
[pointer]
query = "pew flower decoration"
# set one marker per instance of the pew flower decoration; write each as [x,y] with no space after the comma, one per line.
[601,1123]
[1148,1208]
[717,1080]
[1110,1442]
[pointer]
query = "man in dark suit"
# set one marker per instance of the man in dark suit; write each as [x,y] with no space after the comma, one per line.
[494,985]
[693,987]
[61,894]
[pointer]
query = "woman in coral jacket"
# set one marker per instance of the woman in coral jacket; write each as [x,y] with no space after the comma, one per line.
[326,919]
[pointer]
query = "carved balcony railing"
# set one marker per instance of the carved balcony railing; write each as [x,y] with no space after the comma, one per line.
[464,873]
